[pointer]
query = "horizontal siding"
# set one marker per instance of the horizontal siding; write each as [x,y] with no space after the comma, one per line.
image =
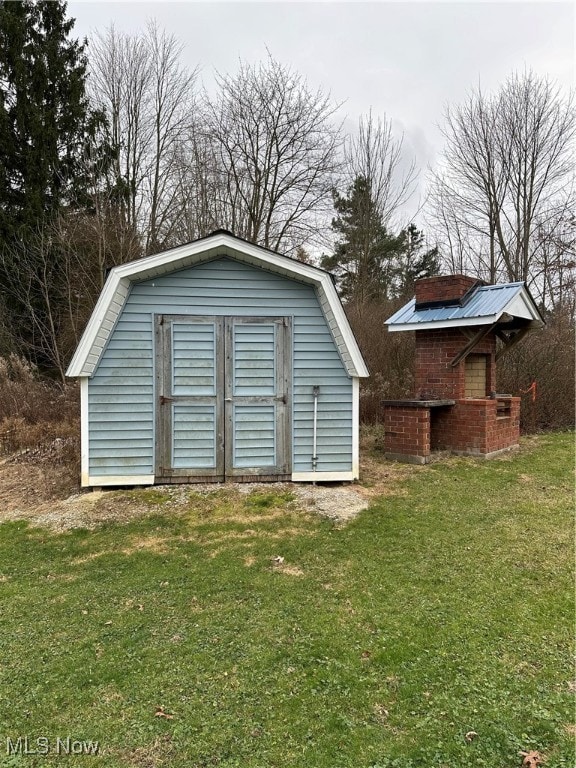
[121,396]
[121,406]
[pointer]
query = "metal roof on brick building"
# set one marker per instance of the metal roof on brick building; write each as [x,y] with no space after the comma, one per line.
[508,303]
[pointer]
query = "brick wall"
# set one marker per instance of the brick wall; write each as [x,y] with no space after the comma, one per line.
[407,433]
[434,377]
[443,288]
[473,426]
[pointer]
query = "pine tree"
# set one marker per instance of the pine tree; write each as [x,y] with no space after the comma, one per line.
[49,140]
[412,263]
[364,254]
[45,119]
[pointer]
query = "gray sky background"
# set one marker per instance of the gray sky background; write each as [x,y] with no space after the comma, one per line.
[405,59]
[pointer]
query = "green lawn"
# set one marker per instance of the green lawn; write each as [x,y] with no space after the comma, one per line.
[446,607]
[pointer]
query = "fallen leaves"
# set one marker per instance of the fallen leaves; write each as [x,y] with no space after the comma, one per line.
[532,759]
[161,713]
[380,713]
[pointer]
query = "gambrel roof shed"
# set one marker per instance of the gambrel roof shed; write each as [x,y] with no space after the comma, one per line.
[218,359]
[220,243]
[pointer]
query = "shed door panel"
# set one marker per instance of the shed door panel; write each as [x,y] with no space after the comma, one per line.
[224,397]
[257,396]
[189,376]
[254,437]
[194,430]
[194,358]
[254,359]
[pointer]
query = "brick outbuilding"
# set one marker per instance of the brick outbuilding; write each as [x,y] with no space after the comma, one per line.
[462,327]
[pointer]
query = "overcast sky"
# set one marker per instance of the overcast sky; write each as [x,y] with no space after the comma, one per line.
[405,59]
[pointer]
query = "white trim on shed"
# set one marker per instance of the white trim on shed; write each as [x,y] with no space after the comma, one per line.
[117,288]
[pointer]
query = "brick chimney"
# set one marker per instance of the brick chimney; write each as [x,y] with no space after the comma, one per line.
[443,290]
[434,376]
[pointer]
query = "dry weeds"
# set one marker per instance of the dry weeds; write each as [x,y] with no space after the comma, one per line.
[287,569]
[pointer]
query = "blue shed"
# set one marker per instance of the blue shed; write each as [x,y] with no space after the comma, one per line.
[218,360]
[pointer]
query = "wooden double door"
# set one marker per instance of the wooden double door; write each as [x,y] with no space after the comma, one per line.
[223,393]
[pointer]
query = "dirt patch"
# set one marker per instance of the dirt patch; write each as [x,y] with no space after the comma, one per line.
[160,752]
[47,494]
[250,535]
[75,512]
[24,486]
[239,517]
[37,494]
[380,477]
[288,570]
[155,544]
[341,503]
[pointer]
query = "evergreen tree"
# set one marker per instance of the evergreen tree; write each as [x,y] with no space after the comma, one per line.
[50,144]
[45,119]
[412,262]
[365,251]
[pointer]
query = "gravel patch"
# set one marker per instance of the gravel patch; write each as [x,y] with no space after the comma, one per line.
[338,502]
[91,509]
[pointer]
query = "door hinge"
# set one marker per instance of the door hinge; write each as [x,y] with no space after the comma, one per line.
[164,399]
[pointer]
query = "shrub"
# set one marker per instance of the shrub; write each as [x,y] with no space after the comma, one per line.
[389,357]
[547,358]
[35,412]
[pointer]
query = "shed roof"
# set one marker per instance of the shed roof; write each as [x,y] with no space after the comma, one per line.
[484,305]
[219,244]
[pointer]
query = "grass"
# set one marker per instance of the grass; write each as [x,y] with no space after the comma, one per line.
[445,608]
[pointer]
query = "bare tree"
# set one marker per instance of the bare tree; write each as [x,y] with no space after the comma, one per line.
[149,99]
[173,106]
[203,197]
[119,83]
[41,289]
[101,227]
[555,262]
[507,170]
[276,148]
[459,232]
[56,276]
[376,155]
